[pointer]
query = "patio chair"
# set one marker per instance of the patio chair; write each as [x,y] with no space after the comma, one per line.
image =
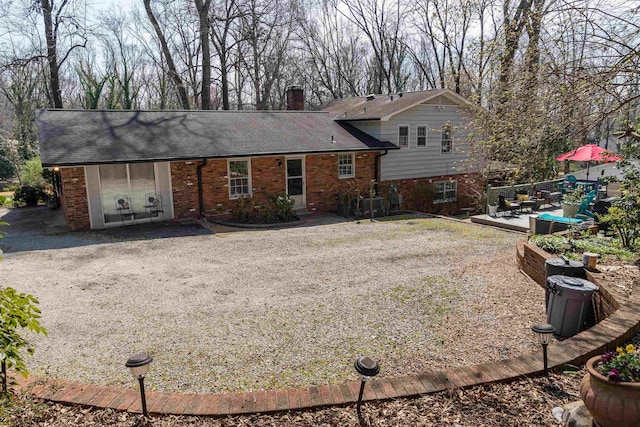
[123,207]
[153,205]
[569,183]
[583,209]
[507,206]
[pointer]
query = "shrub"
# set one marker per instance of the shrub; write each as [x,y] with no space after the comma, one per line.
[29,195]
[550,243]
[31,173]
[17,311]
[243,210]
[281,207]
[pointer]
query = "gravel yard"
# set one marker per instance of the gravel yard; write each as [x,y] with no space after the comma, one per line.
[239,311]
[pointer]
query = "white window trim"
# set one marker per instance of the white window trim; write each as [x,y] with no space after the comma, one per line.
[250,187]
[426,136]
[455,183]
[450,152]
[408,135]
[353,165]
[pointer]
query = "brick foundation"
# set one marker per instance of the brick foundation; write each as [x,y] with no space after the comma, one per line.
[73,199]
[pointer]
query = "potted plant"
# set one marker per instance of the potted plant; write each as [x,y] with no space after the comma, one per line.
[571,203]
[611,388]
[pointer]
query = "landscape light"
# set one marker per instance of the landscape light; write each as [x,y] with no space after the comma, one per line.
[544,331]
[139,365]
[368,368]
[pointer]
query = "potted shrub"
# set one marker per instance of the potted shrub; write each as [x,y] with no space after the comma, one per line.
[611,388]
[571,203]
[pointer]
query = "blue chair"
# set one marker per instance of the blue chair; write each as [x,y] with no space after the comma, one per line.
[569,182]
[583,209]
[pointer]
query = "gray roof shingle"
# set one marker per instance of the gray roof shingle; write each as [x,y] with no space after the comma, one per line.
[80,137]
[381,107]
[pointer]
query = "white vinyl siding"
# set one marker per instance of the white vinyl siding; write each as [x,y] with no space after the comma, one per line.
[427,161]
[346,166]
[421,136]
[403,136]
[445,191]
[239,173]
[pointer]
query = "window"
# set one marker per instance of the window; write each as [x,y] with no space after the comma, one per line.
[128,183]
[447,139]
[403,136]
[421,139]
[346,167]
[445,191]
[239,179]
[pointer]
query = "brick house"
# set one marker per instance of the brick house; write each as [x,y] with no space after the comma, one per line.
[121,167]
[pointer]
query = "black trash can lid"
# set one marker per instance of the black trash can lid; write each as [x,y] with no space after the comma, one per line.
[573,283]
[564,262]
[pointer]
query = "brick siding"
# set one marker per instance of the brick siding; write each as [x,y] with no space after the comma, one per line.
[323,183]
[74,198]
[268,178]
[184,184]
[417,193]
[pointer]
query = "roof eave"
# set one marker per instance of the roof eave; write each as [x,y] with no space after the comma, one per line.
[227,156]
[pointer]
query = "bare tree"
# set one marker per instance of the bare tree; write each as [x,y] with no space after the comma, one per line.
[266,32]
[225,36]
[168,56]
[381,23]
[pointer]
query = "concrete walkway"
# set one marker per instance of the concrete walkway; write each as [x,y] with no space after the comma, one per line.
[619,327]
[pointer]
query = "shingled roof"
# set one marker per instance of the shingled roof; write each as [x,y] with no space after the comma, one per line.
[81,137]
[383,107]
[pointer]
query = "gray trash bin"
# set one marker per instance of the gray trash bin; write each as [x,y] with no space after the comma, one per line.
[569,308]
[565,267]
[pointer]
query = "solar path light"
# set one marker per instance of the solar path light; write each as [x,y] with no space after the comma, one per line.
[139,365]
[368,368]
[544,331]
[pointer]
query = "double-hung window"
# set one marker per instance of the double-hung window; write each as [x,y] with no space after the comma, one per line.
[447,139]
[403,136]
[346,166]
[445,191]
[421,136]
[239,178]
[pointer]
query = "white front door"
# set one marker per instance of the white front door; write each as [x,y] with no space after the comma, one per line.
[295,181]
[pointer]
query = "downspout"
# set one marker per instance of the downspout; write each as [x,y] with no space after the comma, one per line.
[378,165]
[200,197]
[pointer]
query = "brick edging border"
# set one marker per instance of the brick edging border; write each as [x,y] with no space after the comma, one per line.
[620,326]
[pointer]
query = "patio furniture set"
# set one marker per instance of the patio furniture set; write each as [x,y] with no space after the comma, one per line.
[526,202]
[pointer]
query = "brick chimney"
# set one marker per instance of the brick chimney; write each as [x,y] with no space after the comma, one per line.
[295,98]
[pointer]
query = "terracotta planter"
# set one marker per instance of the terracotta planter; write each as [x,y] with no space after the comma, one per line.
[612,404]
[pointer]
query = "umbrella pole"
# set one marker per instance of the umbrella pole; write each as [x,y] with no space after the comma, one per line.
[588,166]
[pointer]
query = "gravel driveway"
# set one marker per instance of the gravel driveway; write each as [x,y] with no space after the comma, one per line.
[238,311]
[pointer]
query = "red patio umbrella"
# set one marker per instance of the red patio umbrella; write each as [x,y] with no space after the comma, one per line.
[589,153]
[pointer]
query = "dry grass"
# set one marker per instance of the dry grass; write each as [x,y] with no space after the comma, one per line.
[280,308]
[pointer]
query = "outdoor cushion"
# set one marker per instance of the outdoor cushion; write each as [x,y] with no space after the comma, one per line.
[549,217]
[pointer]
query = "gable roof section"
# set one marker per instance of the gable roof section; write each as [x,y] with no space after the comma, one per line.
[81,137]
[383,107]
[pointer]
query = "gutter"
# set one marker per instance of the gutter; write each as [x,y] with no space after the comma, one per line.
[200,197]
[376,175]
